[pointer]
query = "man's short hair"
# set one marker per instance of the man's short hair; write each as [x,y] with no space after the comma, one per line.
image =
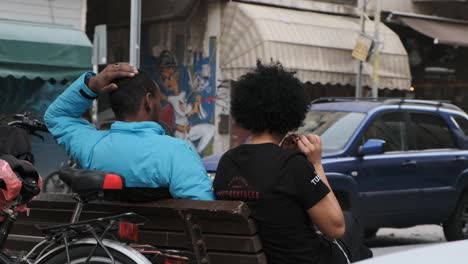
[126,99]
[269,99]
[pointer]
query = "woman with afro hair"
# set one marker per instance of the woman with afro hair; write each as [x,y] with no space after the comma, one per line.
[282,179]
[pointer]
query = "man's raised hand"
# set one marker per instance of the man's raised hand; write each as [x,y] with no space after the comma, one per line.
[103,82]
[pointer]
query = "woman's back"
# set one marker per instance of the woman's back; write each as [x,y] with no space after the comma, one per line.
[279,187]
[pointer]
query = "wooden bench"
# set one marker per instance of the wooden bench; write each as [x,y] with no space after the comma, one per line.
[230,235]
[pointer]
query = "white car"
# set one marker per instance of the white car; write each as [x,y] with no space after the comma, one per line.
[448,252]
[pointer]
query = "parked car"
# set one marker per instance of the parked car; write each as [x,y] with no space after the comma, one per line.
[451,252]
[396,162]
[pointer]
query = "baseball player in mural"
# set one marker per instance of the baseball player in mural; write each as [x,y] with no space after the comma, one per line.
[184,110]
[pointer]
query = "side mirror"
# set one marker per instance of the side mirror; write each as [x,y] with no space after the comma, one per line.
[372,147]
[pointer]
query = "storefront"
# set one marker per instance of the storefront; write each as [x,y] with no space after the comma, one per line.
[438,54]
[37,62]
[196,48]
[317,46]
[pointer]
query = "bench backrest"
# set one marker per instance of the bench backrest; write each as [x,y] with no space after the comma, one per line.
[230,235]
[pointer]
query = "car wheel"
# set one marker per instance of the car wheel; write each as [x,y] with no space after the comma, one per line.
[456,228]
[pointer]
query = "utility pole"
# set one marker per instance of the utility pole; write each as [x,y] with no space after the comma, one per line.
[375,82]
[99,58]
[135,26]
[358,92]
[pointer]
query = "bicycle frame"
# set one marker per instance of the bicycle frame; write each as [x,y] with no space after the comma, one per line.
[122,248]
[6,226]
[61,238]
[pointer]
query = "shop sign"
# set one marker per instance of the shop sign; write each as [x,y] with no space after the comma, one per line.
[362,48]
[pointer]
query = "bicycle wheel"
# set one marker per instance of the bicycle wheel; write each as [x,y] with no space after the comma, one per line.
[79,254]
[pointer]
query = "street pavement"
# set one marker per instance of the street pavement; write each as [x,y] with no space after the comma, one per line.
[391,240]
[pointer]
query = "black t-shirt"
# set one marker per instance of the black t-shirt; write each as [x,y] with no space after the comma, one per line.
[279,186]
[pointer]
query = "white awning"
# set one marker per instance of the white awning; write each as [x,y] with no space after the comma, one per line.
[317,46]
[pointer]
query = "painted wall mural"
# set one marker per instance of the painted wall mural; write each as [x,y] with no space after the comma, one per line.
[189,90]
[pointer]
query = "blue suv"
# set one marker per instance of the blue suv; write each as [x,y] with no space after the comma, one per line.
[396,162]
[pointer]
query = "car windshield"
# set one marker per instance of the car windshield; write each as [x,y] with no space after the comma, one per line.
[334,128]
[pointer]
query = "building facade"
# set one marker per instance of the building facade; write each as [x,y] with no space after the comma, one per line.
[58,12]
[196,49]
[434,34]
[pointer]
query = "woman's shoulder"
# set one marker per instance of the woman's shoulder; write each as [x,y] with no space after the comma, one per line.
[292,155]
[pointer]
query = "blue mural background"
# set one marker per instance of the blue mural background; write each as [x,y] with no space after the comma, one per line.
[186,86]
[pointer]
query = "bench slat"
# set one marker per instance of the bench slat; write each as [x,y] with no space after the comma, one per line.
[227,229]
[65,201]
[248,244]
[158,221]
[222,258]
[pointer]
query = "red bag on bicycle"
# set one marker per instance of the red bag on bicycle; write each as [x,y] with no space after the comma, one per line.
[10,185]
[17,178]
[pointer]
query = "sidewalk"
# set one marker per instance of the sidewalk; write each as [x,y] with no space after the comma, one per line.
[391,240]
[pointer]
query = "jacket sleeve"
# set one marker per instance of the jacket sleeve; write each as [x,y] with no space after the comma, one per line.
[189,179]
[63,121]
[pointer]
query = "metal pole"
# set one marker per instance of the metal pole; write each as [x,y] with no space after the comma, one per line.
[94,107]
[135,25]
[375,83]
[358,92]
[99,57]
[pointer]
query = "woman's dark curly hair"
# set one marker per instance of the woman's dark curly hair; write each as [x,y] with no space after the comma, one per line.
[269,99]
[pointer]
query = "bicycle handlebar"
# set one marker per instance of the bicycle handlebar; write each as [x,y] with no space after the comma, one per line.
[24,121]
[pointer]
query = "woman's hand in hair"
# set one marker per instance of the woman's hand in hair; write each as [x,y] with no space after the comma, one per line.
[290,142]
[311,146]
[103,82]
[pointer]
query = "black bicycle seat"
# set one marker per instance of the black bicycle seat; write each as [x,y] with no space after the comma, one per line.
[87,183]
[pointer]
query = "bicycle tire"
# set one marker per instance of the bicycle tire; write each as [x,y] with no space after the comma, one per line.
[79,254]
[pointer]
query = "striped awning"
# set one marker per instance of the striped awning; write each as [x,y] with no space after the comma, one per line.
[46,51]
[317,46]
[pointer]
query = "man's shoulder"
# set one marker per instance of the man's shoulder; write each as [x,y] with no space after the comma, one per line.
[174,143]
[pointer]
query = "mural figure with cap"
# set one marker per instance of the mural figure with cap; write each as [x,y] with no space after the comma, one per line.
[190,119]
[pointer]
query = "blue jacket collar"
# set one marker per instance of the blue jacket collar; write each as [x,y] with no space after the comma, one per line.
[138,126]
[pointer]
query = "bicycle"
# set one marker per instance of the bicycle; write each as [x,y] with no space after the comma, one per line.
[90,241]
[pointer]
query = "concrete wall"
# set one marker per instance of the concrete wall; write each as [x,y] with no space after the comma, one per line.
[62,12]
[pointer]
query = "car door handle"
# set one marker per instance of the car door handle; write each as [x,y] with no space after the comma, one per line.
[407,163]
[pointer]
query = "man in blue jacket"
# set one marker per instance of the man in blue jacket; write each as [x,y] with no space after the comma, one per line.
[136,146]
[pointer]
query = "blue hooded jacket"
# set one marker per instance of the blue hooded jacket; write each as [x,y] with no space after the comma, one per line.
[138,151]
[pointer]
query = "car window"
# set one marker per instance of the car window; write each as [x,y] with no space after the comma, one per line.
[390,127]
[462,123]
[335,128]
[431,132]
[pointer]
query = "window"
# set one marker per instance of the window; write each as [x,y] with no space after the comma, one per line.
[463,123]
[335,128]
[431,132]
[390,127]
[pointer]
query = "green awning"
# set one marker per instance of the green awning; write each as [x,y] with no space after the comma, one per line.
[45,51]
